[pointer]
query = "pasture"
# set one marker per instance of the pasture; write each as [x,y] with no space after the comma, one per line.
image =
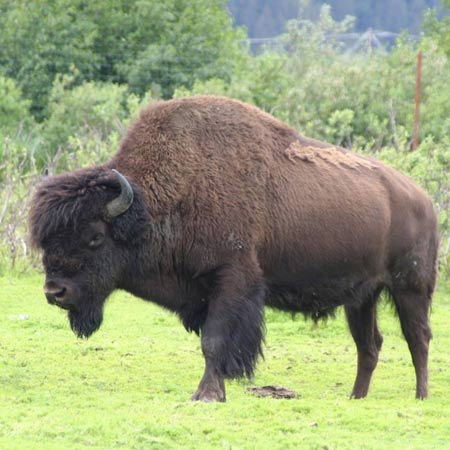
[128,387]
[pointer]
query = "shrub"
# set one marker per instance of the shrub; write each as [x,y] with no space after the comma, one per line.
[88,117]
[14,110]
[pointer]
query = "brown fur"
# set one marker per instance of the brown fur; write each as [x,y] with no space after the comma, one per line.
[235,209]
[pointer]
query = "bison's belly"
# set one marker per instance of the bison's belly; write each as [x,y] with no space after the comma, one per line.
[321,297]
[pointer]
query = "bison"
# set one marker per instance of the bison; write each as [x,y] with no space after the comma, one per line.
[213,209]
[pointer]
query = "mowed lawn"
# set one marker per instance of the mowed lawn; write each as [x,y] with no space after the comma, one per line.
[129,385]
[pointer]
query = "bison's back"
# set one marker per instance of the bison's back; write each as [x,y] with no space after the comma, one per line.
[211,157]
[197,135]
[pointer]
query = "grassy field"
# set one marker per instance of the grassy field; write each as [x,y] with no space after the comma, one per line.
[129,386]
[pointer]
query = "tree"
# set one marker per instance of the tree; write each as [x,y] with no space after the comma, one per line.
[41,38]
[439,30]
[149,44]
[192,40]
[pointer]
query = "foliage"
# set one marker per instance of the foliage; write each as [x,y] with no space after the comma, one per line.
[18,175]
[14,110]
[128,386]
[363,100]
[439,27]
[260,81]
[42,38]
[90,112]
[144,43]
[196,42]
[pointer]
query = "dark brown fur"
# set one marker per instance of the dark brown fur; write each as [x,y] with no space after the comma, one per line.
[234,210]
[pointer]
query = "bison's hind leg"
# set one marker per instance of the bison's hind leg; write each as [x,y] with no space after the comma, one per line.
[413,306]
[362,322]
[413,282]
[413,310]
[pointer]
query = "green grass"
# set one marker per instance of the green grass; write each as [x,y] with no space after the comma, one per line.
[128,387]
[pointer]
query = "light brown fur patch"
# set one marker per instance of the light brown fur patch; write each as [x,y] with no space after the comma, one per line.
[330,155]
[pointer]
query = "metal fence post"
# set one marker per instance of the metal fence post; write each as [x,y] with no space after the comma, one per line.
[417,104]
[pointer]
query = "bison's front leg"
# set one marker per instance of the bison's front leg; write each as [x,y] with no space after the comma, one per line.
[233,331]
[212,386]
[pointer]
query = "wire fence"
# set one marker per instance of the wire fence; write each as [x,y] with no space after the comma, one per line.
[351,42]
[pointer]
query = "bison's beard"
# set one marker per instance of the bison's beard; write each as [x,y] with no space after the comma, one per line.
[84,323]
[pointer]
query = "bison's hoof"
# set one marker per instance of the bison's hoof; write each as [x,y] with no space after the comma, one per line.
[208,395]
[358,395]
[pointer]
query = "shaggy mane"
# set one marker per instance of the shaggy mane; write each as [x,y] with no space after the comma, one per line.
[64,201]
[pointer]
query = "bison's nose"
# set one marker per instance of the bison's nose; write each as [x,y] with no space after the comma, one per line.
[56,293]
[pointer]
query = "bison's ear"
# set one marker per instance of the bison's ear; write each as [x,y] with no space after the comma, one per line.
[123,201]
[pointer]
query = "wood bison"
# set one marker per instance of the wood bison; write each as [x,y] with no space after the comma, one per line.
[212,209]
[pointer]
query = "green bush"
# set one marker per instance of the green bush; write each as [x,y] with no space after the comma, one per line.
[18,175]
[84,120]
[14,110]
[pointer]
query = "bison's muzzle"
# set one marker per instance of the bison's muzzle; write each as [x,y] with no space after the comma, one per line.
[60,293]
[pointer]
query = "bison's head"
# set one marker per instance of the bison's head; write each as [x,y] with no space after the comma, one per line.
[88,224]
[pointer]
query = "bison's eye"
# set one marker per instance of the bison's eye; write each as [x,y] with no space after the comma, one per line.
[96,240]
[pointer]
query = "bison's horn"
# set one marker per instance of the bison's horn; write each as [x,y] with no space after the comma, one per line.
[124,200]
